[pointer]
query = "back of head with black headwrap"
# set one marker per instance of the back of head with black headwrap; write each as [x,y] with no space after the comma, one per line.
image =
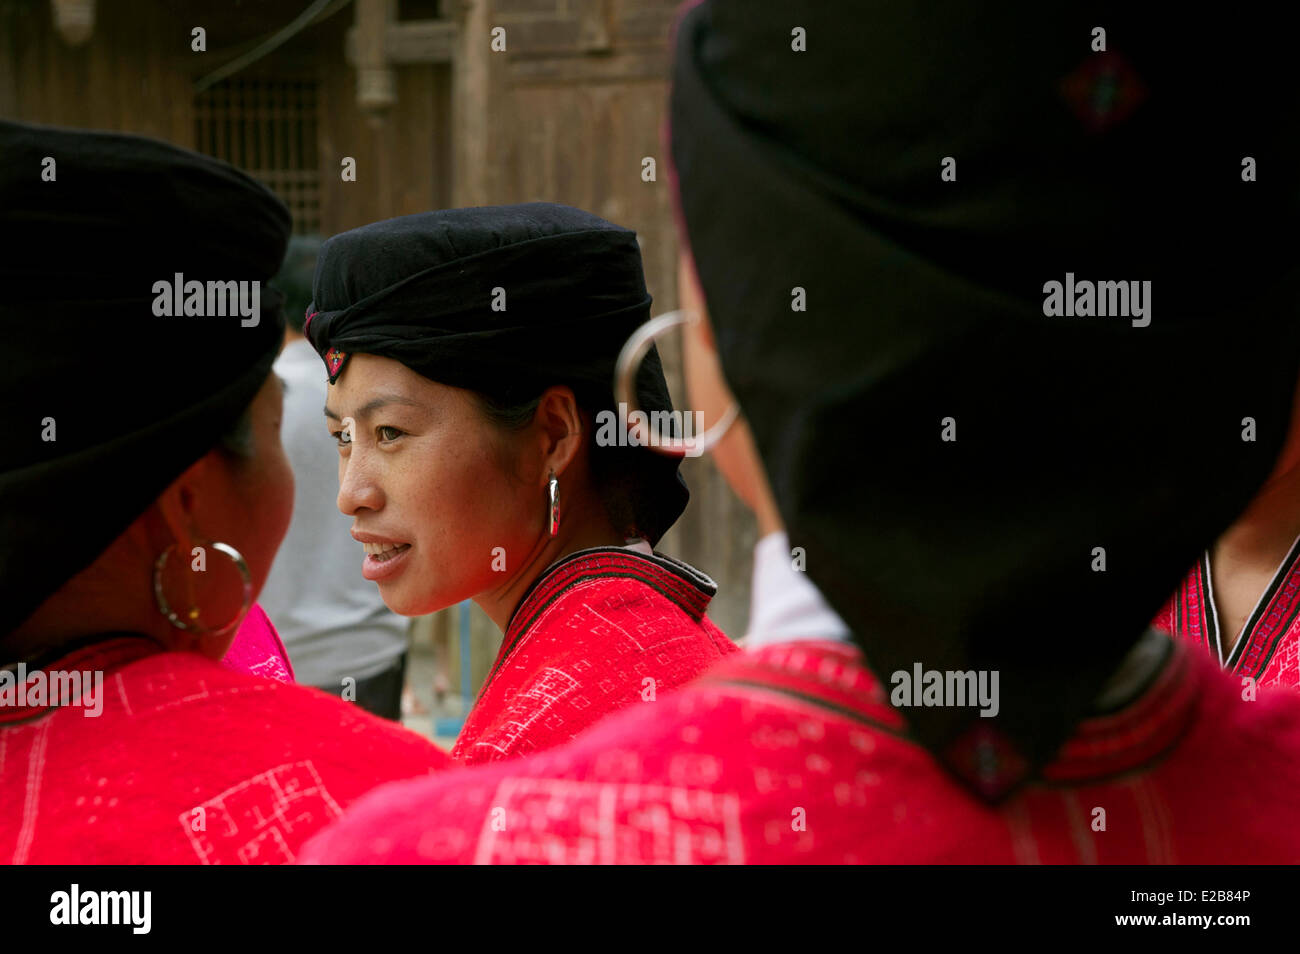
[958,464]
[505,301]
[106,401]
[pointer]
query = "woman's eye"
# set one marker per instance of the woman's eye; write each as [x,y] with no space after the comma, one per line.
[385,432]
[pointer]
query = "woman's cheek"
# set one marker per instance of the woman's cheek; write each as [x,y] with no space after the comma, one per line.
[271,508]
[275,491]
[478,523]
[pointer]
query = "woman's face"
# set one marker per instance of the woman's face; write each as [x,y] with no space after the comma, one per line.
[242,501]
[439,504]
[265,483]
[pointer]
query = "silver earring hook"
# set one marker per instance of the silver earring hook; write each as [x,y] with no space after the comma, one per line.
[625,369]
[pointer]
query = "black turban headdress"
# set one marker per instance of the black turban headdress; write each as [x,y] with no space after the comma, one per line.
[958,465]
[505,301]
[105,401]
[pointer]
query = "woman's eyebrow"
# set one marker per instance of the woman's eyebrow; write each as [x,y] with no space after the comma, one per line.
[371,406]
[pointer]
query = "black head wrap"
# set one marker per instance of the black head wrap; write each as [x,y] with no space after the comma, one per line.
[823,170]
[131,398]
[506,301]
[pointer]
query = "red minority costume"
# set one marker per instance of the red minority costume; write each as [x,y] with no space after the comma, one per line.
[604,629]
[790,753]
[1268,648]
[188,762]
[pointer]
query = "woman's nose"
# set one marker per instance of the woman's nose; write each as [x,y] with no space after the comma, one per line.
[358,486]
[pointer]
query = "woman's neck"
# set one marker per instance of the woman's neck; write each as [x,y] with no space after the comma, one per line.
[578,531]
[1244,559]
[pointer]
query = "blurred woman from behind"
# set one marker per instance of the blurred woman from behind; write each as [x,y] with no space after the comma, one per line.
[143,495]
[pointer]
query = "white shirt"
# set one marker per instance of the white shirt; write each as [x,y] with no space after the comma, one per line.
[785,606]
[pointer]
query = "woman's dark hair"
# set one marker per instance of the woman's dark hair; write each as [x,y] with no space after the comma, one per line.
[506,412]
[609,469]
[295,277]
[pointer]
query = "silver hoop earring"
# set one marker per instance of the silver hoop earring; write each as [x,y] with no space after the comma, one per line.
[625,371]
[553,504]
[188,622]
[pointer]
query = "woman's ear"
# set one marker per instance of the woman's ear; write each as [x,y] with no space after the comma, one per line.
[561,429]
[172,518]
[171,522]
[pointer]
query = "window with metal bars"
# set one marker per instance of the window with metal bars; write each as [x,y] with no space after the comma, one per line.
[268,128]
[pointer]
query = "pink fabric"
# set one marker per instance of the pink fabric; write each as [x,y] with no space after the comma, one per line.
[258,650]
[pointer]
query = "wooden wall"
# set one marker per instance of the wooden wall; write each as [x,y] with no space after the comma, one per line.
[403,156]
[136,74]
[133,75]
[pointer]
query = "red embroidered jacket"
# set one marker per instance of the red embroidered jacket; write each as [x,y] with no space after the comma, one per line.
[604,629]
[1268,648]
[177,759]
[790,753]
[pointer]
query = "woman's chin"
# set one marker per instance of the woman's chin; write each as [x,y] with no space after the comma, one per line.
[394,598]
[403,602]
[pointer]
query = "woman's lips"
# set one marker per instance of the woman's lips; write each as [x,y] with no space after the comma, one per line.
[381,566]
